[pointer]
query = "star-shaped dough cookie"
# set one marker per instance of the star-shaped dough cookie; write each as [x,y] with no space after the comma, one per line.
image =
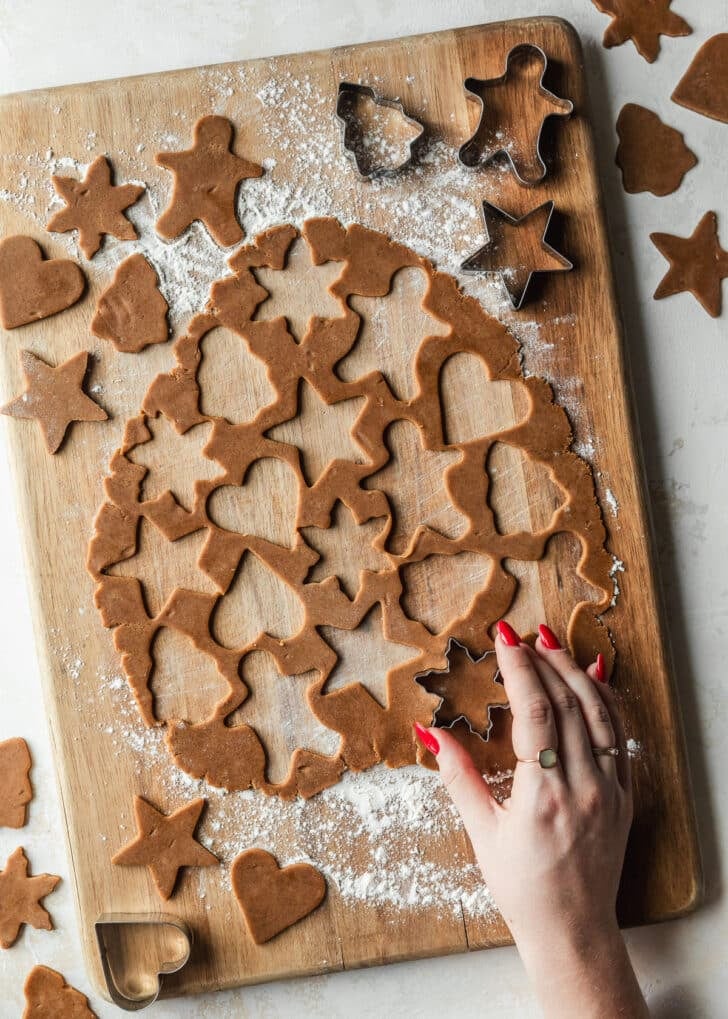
[165,843]
[206,179]
[48,996]
[642,21]
[468,688]
[15,788]
[20,897]
[516,249]
[94,207]
[54,396]
[697,264]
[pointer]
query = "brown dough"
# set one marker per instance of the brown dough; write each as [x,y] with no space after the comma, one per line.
[651,155]
[20,897]
[704,86]
[234,756]
[206,179]
[131,312]
[697,264]
[31,287]
[54,397]
[94,207]
[642,21]
[15,789]
[165,843]
[48,996]
[273,898]
[468,690]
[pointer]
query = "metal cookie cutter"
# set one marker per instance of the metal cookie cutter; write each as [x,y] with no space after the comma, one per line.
[516,278]
[348,94]
[474,153]
[110,929]
[453,645]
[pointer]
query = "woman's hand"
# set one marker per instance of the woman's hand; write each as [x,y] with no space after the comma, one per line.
[552,854]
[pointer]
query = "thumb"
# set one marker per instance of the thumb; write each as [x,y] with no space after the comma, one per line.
[467,788]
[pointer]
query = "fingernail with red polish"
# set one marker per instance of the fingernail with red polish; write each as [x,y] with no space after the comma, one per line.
[507,634]
[426,739]
[548,638]
[601,669]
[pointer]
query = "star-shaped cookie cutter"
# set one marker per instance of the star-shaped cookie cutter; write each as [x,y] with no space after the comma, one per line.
[349,91]
[451,645]
[470,154]
[114,920]
[516,293]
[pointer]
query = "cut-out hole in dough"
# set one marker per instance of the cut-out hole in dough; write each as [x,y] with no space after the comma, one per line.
[265,505]
[258,602]
[233,382]
[278,711]
[550,588]
[413,481]
[175,462]
[391,331]
[366,644]
[300,291]
[439,589]
[185,682]
[321,431]
[522,494]
[162,566]
[472,405]
[346,548]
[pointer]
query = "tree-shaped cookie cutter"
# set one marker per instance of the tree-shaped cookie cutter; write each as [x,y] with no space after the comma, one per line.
[348,93]
[109,922]
[452,644]
[474,153]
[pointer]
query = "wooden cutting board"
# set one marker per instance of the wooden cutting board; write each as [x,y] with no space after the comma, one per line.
[376,910]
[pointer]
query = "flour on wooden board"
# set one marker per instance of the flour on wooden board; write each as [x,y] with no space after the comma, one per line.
[369,833]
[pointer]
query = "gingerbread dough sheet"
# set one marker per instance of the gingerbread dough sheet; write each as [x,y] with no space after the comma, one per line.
[324,452]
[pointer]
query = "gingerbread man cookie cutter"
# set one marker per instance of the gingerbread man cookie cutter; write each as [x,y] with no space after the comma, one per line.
[108,929]
[347,96]
[473,154]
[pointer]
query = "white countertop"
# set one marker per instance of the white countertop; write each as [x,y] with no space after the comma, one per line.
[679,361]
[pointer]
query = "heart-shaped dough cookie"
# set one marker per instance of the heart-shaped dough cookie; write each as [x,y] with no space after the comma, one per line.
[272,897]
[32,287]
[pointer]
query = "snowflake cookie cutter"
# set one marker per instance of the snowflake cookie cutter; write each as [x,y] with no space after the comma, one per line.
[107,929]
[454,645]
[473,153]
[348,93]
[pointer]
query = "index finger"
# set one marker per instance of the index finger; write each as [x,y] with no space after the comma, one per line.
[534,726]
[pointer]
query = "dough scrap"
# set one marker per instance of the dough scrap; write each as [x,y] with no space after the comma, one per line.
[54,397]
[233,755]
[16,791]
[651,155]
[165,843]
[48,996]
[698,264]
[271,897]
[94,207]
[206,179]
[20,896]
[642,21]
[468,690]
[33,287]
[704,86]
[132,313]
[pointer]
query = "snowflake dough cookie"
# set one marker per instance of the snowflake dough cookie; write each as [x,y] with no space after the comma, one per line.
[20,896]
[33,288]
[642,21]
[94,207]
[15,789]
[206,179]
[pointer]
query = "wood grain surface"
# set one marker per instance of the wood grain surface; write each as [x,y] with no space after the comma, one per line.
[581,352]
